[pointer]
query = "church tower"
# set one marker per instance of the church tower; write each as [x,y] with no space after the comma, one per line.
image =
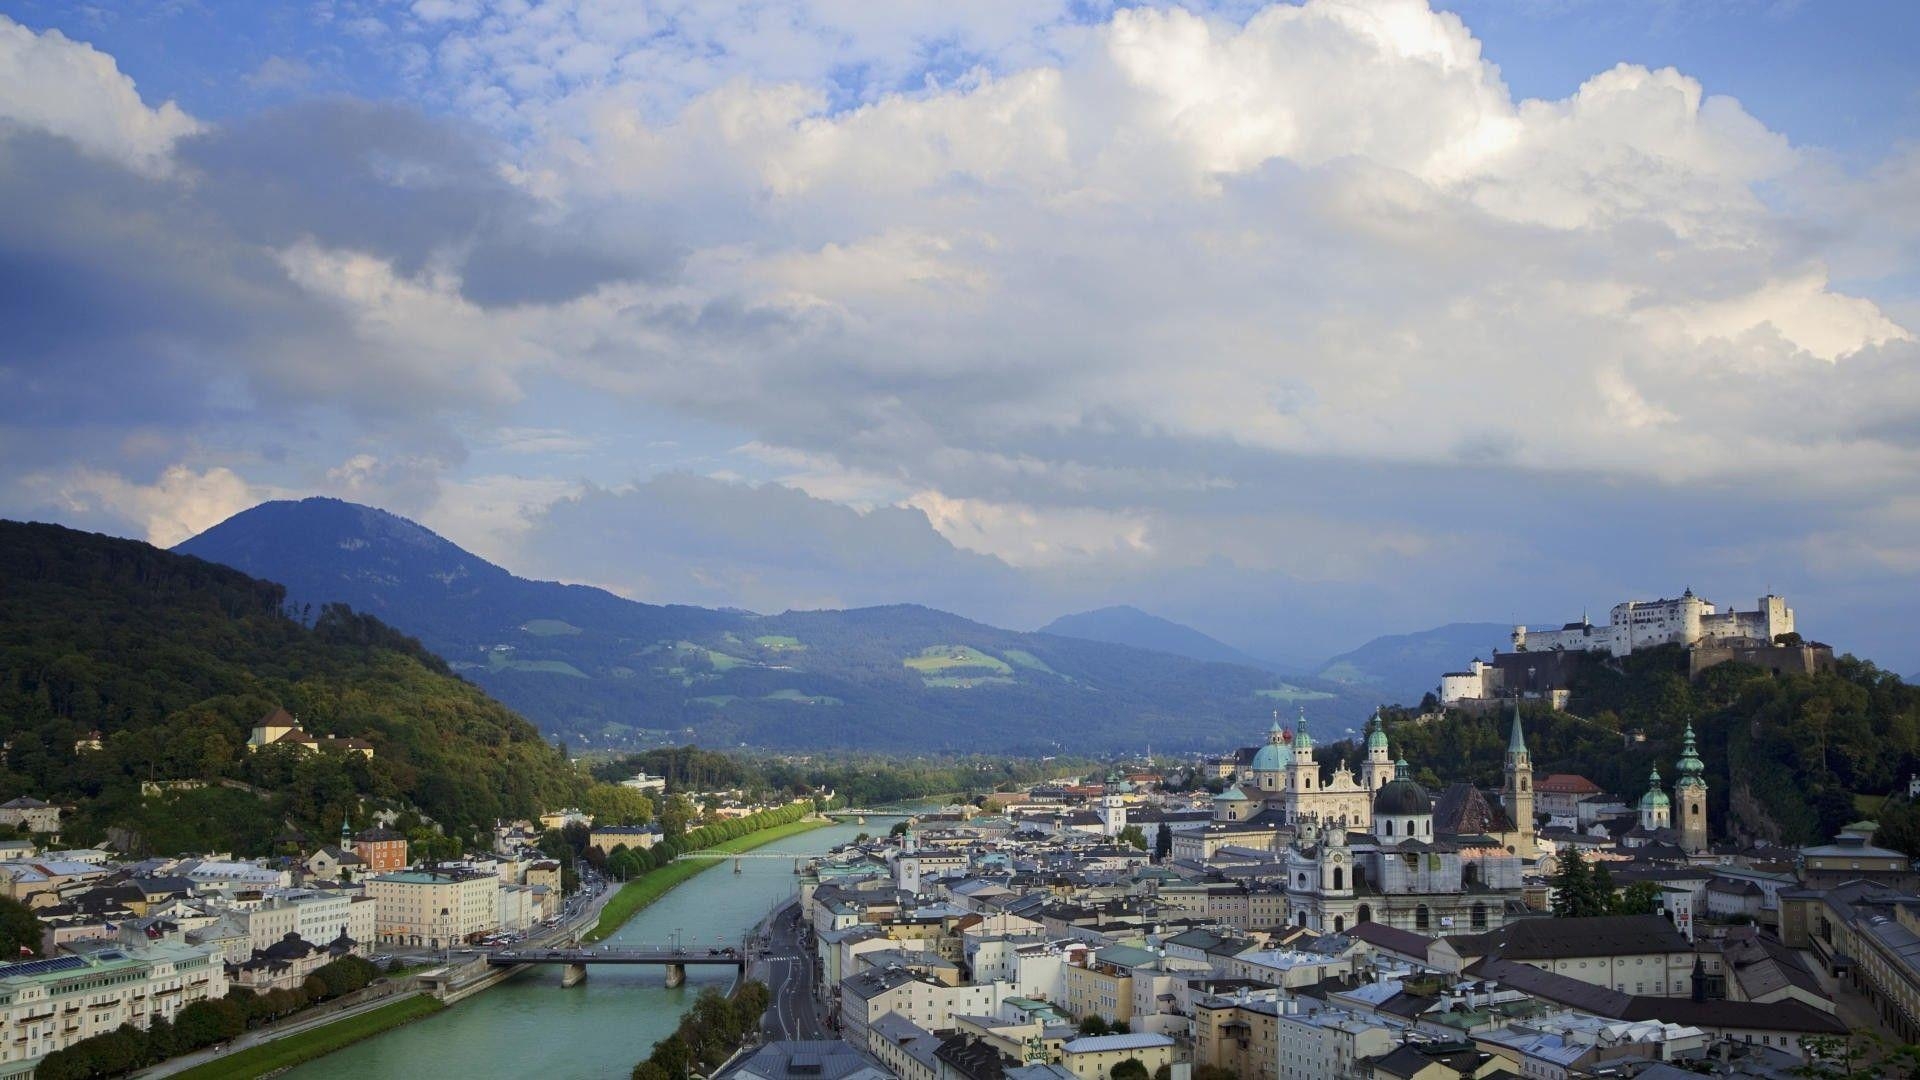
[1113,807]
[1303,774]
[1656,810]
[1690,792]
[1378,768]
[1518,791]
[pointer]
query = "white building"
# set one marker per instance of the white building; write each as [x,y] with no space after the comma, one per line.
[1641,624]
[1328,1042]
[50,1004]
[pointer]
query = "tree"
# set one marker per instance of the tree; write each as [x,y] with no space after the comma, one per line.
[19,929]
[1132,836]
[1600,896]
[1130,1069]
[614,804]
[1093,1024]
[1214,1072]
[899,828]
[1570,884]
[676,815]
[1163,843]
[1639,898]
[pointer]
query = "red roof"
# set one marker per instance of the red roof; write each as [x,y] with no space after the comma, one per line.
[1568,784]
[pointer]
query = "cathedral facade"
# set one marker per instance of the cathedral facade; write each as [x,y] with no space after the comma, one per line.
[1367,848]
[1284,778]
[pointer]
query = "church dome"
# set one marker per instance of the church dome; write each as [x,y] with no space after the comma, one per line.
[1402,796]
[1232,794]
[1654,798]
[1270,758]
[1376,733]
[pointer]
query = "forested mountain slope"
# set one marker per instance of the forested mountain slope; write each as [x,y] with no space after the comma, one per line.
[1789,757]
[172,659]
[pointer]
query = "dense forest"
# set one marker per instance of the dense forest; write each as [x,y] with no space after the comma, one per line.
[1786,755]
[171,660]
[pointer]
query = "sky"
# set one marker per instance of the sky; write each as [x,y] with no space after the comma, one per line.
[1296,322]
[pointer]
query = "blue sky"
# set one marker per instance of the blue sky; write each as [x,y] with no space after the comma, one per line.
[1300,323]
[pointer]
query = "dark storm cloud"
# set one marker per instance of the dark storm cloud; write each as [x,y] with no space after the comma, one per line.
[386,180]
[138,300]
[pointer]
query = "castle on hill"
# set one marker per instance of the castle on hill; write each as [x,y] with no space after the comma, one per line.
[1541,663]
[1687,621]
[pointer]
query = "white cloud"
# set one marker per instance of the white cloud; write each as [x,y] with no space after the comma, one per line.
[178,504]
[51,83]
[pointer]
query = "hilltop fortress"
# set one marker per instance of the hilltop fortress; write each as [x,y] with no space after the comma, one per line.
[1641,624]
[1542,663]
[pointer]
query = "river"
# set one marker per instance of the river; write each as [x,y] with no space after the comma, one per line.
[529,1026]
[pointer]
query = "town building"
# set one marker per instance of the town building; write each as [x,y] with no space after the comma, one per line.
[434,908]
[48,1005]
[35,815]
[382,850]
[631,837]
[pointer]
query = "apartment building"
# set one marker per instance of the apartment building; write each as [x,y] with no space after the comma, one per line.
[47,1005]
[434,908]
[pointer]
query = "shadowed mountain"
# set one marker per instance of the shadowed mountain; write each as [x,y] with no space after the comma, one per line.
[1127,625]
[600,670]
[1402,667]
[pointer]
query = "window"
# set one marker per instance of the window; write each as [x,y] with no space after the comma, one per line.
[1420,917]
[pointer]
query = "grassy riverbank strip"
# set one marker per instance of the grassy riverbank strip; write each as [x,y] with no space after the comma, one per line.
[635,895]
[280,1054]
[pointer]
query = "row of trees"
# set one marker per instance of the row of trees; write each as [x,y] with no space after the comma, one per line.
[708,1034]
[627,864]
[201,1024]
[860,779]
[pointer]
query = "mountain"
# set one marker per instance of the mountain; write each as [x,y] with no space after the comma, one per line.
[1404,667]
[1126,625]
[601,671]
[171,660]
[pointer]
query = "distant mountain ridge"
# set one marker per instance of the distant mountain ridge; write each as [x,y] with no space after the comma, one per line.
[1124,624]
[600,670]
[1404,667]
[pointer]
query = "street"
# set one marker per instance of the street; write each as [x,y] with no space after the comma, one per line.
[787,969]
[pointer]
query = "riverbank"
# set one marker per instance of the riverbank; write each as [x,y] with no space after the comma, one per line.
[636,895]
[285,1053]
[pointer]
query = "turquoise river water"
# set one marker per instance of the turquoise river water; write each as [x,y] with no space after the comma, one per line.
[531,1027]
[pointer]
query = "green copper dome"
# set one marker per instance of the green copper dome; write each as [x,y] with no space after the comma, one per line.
[1232,794]
[1654,796]
[1302,740]
[1376,733]
[1690,763]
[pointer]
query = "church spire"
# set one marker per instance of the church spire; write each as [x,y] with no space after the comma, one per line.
[1516,740]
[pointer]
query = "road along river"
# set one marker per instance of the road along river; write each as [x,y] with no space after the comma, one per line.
[529,1026]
